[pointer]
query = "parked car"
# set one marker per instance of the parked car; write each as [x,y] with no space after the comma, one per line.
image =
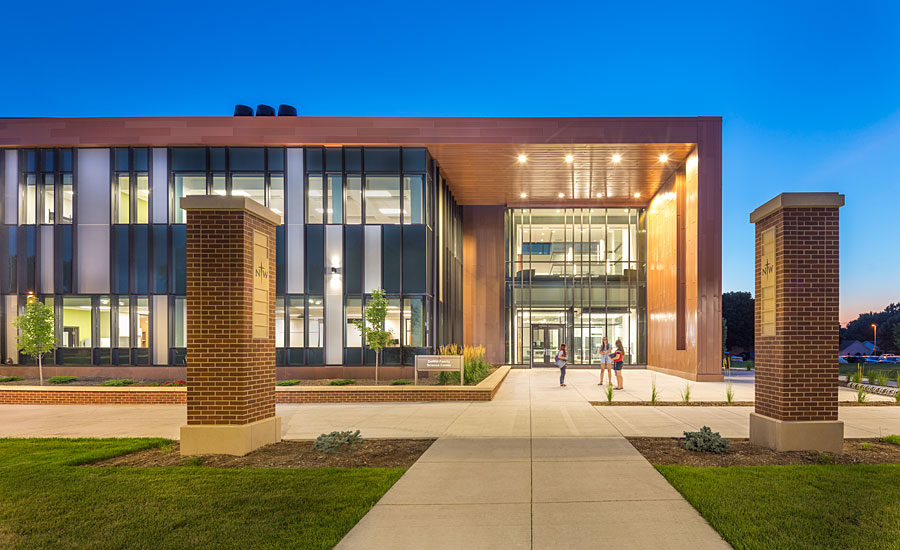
[842,359]
[889,359]
[737,358]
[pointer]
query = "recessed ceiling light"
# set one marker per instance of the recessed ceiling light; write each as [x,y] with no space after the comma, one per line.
[522,158]
[637,195]
[561,195]
[616,157]
[570,158]
[523,195]
[664,158]
[599,195]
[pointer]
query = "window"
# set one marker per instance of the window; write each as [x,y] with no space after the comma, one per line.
[315,199]
[354,313]
[382,199]
[131,185]
[295,322]
[353,200]
[104,313]
[414,322]
[315,336]
[48,194]
[180,340]
[335,201]
[142,324]
[124,317]
[253,172]
[279,322]
[413,200]
[76,325]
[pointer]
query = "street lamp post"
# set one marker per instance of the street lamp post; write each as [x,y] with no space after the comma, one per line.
[875,340]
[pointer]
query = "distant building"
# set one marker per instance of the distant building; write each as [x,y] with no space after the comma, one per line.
[855,347]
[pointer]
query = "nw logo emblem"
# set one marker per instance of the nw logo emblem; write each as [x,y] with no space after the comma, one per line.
[262,272]
[767,269]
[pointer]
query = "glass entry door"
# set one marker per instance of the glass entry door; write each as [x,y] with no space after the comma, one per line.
[545,341]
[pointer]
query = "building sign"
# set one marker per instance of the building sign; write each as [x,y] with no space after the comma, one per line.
[260,285]
[437,363]
[766,278]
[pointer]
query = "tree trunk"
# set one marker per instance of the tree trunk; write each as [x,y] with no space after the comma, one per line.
[376,366]
[40,369]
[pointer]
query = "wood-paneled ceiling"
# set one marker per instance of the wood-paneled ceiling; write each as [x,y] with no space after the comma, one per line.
[492,174]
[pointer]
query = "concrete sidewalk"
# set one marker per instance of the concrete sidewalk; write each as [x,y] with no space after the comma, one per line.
[537,468]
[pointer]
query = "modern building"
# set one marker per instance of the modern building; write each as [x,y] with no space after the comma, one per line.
[514,233]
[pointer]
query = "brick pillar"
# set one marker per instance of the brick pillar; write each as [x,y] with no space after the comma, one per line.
[230,326]
[797,299]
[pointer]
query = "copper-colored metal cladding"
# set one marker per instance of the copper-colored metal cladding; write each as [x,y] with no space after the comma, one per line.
[483,279]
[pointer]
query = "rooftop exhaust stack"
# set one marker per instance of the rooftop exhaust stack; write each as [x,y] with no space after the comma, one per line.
[287,110]
[243,110]
[264,110]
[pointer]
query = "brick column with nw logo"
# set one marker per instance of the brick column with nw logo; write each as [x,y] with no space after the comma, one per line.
[797,301]
[230,326]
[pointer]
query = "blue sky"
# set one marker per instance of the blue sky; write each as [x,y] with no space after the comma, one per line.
[809,91]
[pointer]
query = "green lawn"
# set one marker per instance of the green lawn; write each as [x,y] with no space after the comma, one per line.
[851,368]
[796,506]
[46,501]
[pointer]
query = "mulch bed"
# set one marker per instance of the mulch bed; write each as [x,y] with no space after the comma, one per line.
[668,450]
[872,403]
[371,453]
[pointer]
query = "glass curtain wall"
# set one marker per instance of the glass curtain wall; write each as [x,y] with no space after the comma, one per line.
[575,275]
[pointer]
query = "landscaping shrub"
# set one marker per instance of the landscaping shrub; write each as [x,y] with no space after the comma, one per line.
[729,392]
[881,377]
[866,446]
[892,439]
[176,383]
[337,442]
[654,394]
[287,382]
[706,441]
[11,378]
[855,377]
[609,393]
[861,395]
[62,379]
[400,382]
[474,364]
[345,382]
[119,382]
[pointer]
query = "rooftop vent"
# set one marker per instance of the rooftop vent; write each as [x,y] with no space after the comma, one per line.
[243,110]
[287,110]
[264,110]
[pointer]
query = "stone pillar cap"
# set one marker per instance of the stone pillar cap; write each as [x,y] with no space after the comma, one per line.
[797,200]
[228,202]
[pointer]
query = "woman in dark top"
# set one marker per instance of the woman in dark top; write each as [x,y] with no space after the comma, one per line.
[617,358]
[561,359]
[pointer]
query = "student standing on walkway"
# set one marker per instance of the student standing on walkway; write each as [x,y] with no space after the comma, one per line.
[605,361]
[617,358]
[561,360]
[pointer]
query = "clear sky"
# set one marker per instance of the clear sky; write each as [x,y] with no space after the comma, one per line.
[809,91]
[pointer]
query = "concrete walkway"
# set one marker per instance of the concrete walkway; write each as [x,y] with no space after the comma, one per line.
[537,468]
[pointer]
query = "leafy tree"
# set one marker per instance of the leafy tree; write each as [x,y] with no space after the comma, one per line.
[36,332]
[738,311]
[371,326]
[887,321]
[897,336]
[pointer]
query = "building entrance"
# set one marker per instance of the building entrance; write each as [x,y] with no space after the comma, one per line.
[545,341]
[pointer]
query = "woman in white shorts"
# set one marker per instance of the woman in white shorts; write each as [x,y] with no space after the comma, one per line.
[605,361]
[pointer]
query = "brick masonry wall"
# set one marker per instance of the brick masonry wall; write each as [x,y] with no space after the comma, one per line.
[796,369]
[63,397]
[230,375]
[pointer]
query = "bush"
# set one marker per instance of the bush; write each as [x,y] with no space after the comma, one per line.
[474,364]
[11,378]
[609,393]
[119,382]
[686,393]
[881,377]
[345,382]
[400,382]
[337,442]
[729,392]
[287,382]
[177,383]
[705,441]
[62,379]
[855,377]
[892,439]
[861,395]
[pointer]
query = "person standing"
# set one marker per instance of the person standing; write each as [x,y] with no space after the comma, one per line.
[617,358]
[605,361]
[561,359]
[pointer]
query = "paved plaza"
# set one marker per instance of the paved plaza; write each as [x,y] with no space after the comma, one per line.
[538,467]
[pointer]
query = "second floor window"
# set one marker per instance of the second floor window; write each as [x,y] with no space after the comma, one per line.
[131,185]
[48,193]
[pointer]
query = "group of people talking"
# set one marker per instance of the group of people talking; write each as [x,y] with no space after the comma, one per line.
[610,360]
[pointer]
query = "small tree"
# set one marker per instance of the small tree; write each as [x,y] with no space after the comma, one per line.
[371,326]
[36,333]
